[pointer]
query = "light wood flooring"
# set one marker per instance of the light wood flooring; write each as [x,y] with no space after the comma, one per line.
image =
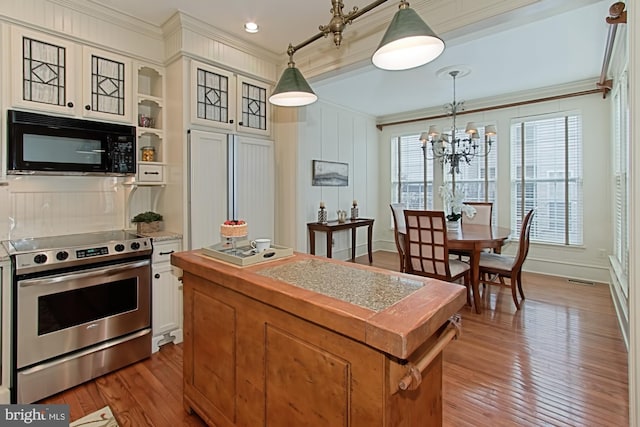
[559,361]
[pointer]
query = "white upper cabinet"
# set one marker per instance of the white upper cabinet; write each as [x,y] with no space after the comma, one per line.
[59,76]
[227,101]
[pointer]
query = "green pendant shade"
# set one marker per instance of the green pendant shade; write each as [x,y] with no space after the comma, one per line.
[292,90]
[407,43]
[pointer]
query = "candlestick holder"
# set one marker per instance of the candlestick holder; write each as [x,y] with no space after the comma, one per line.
[354,212]
[322,216]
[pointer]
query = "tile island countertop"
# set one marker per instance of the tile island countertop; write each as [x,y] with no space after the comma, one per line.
[390,311]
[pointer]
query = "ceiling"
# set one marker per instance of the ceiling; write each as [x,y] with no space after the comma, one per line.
[551,43]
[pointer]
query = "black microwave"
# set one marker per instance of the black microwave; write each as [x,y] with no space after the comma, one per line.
[52,145]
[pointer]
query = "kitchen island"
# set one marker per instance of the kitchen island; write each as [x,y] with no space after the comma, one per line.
[313,341]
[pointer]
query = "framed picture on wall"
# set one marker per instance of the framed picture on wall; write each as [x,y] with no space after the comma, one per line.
[330,174]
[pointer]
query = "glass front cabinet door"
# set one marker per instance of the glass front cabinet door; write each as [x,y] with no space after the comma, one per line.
[56,75]
[224,100]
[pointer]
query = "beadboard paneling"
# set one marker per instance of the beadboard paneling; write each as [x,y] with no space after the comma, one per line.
[40,206]
[185,35]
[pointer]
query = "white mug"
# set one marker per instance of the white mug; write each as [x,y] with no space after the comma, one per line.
[261,245]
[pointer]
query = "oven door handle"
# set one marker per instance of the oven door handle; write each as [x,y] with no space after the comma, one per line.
[104,271]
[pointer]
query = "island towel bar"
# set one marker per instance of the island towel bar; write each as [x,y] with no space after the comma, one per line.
[413,378]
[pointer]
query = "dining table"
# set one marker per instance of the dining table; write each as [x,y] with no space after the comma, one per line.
[473,239]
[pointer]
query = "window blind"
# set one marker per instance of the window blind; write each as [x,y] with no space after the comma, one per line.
[408,173]
[546,174]
[621,186]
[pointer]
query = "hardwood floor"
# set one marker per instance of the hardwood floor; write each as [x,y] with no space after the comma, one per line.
[558,361]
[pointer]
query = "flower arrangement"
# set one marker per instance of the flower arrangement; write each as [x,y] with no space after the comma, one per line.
[453,202]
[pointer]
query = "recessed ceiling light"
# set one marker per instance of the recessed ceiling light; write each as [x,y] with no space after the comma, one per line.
[251,27]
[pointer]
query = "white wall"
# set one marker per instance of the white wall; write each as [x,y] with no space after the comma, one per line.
[331,133]
[588,262]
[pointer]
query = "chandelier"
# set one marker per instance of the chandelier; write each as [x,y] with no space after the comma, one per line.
[450,149]
[407,43]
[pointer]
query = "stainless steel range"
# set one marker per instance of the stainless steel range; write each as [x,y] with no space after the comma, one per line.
[81,308]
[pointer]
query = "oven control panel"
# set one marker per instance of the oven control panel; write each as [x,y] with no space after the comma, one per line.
[86,253]
[36,261]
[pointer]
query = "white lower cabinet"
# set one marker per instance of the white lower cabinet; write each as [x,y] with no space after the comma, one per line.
[166,295]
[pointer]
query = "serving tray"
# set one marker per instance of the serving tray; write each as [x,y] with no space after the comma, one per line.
[243,254]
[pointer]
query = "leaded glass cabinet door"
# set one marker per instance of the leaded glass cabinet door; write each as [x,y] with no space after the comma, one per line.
[254,110]
[213,94]
[43,72]
[107,86]
[51,76]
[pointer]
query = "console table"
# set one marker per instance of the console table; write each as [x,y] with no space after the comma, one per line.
[332,226]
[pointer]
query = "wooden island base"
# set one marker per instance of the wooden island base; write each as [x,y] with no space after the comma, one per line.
[262,352]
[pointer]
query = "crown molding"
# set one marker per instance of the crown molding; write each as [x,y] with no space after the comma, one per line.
[180,21]
[97,10]
[189,37]
[87,24]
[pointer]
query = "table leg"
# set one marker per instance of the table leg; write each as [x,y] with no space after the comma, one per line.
[353,244]
[369,237]
[329,241]
[312,242]
[475,278]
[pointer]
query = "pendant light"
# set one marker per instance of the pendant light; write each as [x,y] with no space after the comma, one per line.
[292,89]
[407,43]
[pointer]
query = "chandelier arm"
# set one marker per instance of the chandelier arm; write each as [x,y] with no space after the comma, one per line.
[485,154]
[325,29]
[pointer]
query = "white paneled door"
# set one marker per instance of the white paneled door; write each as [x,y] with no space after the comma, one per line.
[255,185]
[231,177]
[208,185]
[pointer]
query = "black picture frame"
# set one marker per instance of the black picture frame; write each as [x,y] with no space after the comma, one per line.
[330,174]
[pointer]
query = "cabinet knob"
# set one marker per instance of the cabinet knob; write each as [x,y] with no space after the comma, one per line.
[157,275]
[231,121]
[87,107]
[240,124]
[70,104]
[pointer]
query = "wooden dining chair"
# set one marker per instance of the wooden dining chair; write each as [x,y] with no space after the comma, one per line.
[484,210]
[481,217]
[426,249]
[494,268]
[397,209]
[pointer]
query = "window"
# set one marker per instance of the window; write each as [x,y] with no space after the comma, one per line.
[620,175]
[408,170]
[478,178]
[549,151]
